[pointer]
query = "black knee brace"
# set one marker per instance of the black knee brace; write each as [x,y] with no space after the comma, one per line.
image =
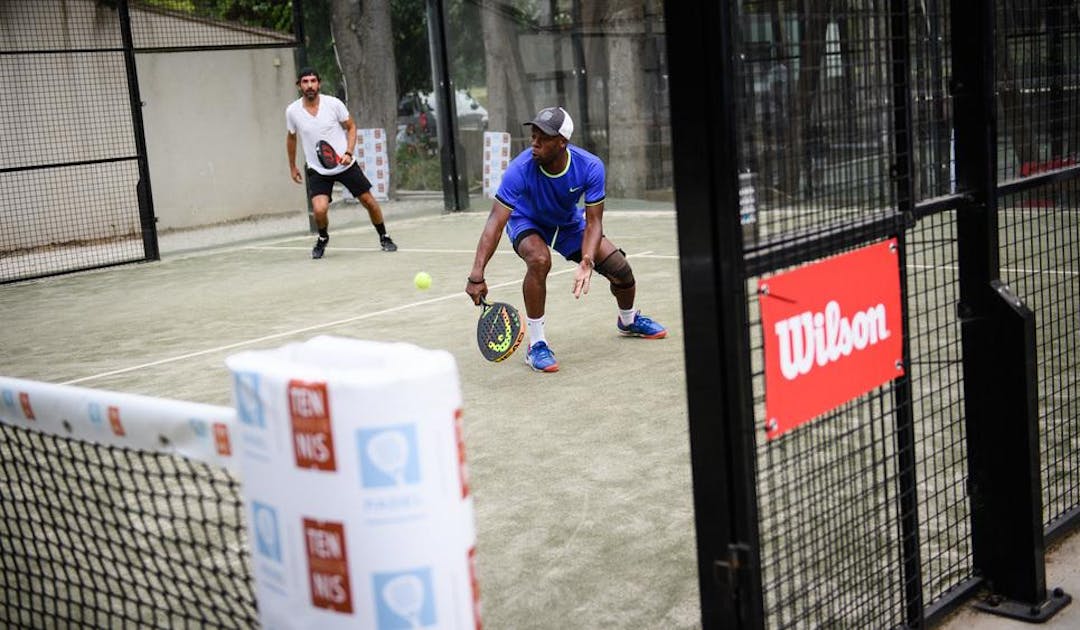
[616,269]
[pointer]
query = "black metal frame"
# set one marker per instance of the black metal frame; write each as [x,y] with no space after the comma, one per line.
[455,181]
[714,316]
[903,174]
[1008,538]
[145,195]
[1002,415]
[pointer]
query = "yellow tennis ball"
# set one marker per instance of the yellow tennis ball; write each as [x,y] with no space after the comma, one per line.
[422,280]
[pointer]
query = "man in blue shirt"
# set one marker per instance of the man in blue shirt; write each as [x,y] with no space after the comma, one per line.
[537,205]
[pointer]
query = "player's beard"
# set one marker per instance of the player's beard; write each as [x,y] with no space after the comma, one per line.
[544,161]
[311,94]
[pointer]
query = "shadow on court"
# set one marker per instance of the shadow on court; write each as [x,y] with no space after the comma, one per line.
[581,477]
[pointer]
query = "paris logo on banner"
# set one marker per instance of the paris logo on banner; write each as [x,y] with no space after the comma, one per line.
[832,332]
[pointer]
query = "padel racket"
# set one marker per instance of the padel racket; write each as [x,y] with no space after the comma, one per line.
[328,157]
[499,331]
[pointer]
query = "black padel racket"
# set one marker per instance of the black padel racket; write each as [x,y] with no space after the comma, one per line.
[328,157]
[499,331]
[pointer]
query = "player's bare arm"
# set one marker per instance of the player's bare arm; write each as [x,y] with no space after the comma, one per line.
[590,243]
[476,284]
[350,134]
[290,150]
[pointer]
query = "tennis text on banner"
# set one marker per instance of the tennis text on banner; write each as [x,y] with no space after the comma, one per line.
[312,438]
[832,332]
[24,402]
[328,565]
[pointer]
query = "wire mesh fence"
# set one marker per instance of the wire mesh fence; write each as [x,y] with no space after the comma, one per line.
[68,166]
[73,171]
[823,141]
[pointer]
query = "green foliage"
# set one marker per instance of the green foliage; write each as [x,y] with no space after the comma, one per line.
[263,13]
[276,15]
[411,50]
[418,166]
[466,43]
[319,45]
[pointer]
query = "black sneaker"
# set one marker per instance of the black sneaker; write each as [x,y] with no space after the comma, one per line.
[320,247]
[387,244]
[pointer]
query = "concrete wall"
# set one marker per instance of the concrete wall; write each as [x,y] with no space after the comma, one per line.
[215,134]
[214,123]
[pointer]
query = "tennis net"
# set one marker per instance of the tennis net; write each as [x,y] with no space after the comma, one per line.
[118,511]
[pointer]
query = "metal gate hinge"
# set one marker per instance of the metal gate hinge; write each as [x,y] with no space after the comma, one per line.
[728,571]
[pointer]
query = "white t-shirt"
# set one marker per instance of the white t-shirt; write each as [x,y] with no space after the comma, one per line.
[324,125]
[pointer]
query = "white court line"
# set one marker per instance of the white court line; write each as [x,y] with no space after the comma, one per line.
[239,344]
[411,250]
[403,250]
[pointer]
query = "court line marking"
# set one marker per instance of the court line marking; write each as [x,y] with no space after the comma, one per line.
[376,249]
[411,250]
[348,320]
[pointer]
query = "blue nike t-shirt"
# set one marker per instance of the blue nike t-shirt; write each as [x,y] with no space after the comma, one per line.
[551,199]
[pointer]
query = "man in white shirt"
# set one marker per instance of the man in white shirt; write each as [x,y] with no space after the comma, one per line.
[319,117]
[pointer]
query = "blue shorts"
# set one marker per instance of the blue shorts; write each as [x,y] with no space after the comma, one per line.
[565,239]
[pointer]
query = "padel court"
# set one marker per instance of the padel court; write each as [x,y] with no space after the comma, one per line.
[581,478]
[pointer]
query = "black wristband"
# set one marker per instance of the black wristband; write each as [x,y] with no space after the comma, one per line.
[471,281]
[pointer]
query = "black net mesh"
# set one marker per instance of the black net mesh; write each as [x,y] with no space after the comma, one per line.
[95,536]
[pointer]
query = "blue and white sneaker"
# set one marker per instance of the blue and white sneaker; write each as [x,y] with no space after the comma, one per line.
[540,358]
[642,327]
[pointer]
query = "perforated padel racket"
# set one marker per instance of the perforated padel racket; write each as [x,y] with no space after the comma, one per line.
[499,331]
[328,157]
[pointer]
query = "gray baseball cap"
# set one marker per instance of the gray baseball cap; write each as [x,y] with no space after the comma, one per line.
[554,121]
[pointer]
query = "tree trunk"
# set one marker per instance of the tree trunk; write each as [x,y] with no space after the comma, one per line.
[363,41]
[509,97]
[593,13]
[813,16]
[627,166]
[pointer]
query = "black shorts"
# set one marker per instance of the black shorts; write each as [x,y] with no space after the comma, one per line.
[351,178]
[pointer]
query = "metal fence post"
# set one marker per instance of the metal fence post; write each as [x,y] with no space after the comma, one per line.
[998,341]
[454,171]
[722,444]
[146,198]
[903,176]
[301,57]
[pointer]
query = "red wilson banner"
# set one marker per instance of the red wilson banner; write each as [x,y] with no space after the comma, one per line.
[832,332]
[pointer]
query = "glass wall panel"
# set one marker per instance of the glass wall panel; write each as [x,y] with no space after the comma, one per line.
[604,62]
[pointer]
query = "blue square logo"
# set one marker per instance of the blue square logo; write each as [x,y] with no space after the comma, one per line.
[388,456]
[267,534]
[404,600]
[198,427]
[93,411]
[248,405]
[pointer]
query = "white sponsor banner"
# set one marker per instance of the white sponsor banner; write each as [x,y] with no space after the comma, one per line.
[192,430]
[371,155]
[496,159]
[360,512]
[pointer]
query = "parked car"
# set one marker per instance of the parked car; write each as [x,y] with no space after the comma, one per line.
[418,110]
